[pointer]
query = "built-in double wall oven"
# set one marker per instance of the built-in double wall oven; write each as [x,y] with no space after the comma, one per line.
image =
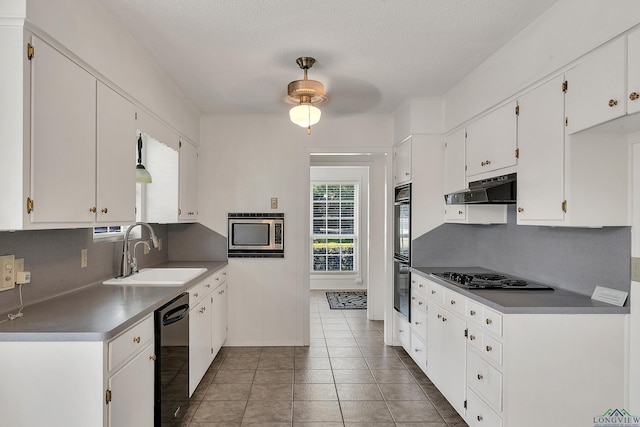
[402,250]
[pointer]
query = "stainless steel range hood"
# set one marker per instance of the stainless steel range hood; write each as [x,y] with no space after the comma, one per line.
[498,190]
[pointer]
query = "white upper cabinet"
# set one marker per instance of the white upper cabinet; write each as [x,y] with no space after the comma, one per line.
[578,180]
[82,134]
[492,142]
[188,211]
[454,173]
[63,148]
[596,87]
[541,147]
[633,76]
[402,162]
[455,180]
[116,143]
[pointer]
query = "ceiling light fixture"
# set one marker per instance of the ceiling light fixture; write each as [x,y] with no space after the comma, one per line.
[142,175]
[305,94]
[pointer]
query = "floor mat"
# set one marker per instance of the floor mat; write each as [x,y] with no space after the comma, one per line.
[347,300]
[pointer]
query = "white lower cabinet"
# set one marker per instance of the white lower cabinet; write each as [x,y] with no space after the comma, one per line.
[419,320]
[207,324]
[521,370]
[200,350]
[446,352]
[131,392]
[219,318]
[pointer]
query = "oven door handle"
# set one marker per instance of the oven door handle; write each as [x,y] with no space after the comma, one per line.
[182,311]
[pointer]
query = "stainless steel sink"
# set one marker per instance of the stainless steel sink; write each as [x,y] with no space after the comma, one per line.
[158,277]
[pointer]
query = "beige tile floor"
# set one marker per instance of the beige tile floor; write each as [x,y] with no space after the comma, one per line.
[346,377]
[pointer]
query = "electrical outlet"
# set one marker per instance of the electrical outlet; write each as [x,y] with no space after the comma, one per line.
[83,258]
[274,203]
[159,244]
[7,275]
[635,269]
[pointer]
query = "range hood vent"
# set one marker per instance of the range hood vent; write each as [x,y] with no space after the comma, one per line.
[498,190]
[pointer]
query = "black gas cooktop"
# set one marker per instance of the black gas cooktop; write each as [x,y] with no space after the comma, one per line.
[488,280]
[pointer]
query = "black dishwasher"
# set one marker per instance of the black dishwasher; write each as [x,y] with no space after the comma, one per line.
[171,387]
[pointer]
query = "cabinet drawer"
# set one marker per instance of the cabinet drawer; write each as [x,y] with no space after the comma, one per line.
[418,303]
[490,320]
[435,293]
[419,324]
[419,350]
[130,342]
[492,349]
[454,302]
[403,332]
[199,291]
[219,278]
[489,347]
[484,380]
[418,285]
[479,414]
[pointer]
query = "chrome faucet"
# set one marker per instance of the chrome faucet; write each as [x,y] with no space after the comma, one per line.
[127,262]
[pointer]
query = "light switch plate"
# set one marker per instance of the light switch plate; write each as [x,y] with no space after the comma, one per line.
[7,277]
[83,258]
[274,203]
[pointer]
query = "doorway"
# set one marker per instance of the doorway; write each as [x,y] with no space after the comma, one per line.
[369,172]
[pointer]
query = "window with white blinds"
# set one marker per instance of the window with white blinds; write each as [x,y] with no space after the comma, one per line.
[334,234]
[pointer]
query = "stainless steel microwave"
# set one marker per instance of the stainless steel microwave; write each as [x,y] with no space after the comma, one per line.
[255,235]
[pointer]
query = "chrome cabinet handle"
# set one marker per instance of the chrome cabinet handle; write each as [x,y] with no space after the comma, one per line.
[136,340]
[472,337]
[488,348]
[453,302]
[480,377]
[634,95]
[472,312]
[488,321]
[479,417]
[613,102]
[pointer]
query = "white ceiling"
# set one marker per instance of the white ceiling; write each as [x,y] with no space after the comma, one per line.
[237,56]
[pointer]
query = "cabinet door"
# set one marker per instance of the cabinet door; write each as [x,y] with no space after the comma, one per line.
[541,145]
[200,354]
[116,148]
[188,182]
[454,172]
[633,82]
[63,138]
[492,141]
[402,162]
[446,354]
[219,318]
[132,392]
[596,88]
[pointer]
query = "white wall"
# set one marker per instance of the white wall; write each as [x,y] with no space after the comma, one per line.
[90,33]
[244,161]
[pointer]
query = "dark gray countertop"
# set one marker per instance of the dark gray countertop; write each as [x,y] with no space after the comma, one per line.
[97,312]
[556,301]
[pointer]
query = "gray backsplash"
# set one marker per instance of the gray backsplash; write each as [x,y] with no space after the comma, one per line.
[195,242]
[575,259]
[53,257]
